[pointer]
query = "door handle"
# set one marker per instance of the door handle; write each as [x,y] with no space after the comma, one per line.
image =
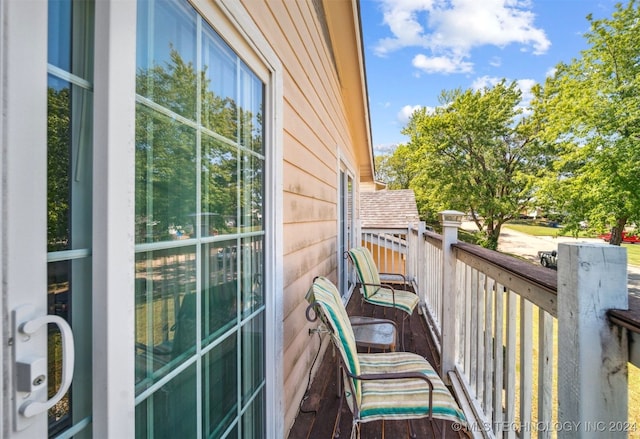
[31,374]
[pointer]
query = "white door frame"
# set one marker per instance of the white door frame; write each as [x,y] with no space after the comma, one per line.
[113,219]
[23,159]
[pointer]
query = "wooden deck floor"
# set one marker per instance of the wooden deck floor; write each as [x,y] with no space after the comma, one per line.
[318,414]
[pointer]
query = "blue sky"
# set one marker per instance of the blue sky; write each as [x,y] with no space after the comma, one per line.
[414,49]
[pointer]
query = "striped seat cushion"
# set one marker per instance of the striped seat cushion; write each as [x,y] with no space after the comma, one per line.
[327,296]
[366,269]
[371,289]
[404,300]
[404,398]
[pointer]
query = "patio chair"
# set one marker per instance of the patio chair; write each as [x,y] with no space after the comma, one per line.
[378,293]
[380,386]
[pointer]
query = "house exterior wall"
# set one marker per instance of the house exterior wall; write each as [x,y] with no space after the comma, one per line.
[318,136]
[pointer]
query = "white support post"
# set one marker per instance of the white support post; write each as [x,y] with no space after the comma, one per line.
[592,353]
[450,221]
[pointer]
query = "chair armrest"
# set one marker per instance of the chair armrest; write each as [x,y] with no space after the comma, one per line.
[387,286]
[404,278]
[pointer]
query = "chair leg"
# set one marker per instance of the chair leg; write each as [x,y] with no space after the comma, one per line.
[336,427]
[355,430]
[412,434]
[404,317]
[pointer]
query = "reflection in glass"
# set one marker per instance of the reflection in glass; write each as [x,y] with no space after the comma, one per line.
[200,161]
[69,206]
[59,38]
[166,55]
[58,303]
[219,375]
[219,288]
[253,419]
[252,339]
[58,164]
[171,412]
[219,86]
[252,274]
[165,312]
[252,208]
[219,188]
[165,177]
[250,103]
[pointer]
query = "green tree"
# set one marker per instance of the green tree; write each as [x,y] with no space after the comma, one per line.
[166,156]
[58,147]
[590,109]
[396,169]
[478,153]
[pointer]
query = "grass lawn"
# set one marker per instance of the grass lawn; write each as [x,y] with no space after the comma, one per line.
[633,250]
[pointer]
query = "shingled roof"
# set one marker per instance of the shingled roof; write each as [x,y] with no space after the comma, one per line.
[388,209]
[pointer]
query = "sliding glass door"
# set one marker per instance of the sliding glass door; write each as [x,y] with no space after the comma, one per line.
[200,162]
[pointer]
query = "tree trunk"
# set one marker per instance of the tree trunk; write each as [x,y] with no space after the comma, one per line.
[616,231]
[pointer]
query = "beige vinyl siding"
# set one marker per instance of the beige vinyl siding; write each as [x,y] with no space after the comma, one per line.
[315,127]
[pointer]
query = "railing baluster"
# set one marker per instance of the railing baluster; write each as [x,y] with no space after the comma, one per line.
[510,365]
[545,372]
[467,319]
[488,347]
[526,373]
[480,336]
[498,355]
[473,335]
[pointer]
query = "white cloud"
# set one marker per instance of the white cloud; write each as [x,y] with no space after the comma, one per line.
[450,29]
[495,61]
[441,64]
[524,85]
[405,113]
[484,82]
[384,148]
[551,72]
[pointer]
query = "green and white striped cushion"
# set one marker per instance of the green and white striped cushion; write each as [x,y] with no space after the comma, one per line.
[404,300]
[327,296]
[367,270]
[368,274]
[406,398]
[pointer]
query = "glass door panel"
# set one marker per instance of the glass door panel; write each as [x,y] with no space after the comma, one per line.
[200,298]
[69,206]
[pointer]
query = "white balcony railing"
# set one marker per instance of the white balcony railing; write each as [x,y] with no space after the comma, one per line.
[509,331]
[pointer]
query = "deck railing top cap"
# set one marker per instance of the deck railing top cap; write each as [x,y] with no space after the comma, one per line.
[451,217]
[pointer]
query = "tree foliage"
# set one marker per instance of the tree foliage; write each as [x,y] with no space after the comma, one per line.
[478,153]
[590,109]
[167,157]
[58,181]
[396,169]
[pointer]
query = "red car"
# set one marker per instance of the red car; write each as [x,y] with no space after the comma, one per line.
[631,239]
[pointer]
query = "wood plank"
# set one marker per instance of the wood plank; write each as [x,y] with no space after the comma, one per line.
[480,338]
[498,354]
[545,371]
[488,349]
[473,336]
[526,371]
[297,208]
[467,319]
[510,364]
